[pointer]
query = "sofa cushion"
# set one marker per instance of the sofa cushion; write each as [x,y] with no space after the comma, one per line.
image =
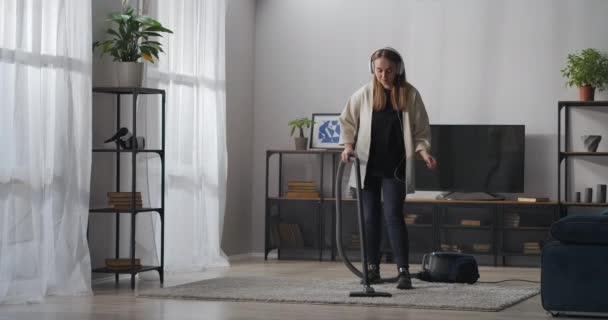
[581,229]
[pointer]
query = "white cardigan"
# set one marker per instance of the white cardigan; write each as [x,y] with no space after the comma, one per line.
[356,126]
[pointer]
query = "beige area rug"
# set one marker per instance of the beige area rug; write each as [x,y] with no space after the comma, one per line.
[476,297]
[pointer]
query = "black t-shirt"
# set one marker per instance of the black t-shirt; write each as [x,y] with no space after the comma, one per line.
[387,148]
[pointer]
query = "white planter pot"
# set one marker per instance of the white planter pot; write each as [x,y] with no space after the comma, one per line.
[129,74]
[104,73]
[107,73]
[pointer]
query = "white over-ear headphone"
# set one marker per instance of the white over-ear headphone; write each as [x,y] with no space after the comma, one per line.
[400,67]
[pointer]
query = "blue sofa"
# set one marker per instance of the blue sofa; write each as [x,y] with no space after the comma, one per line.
[574,267]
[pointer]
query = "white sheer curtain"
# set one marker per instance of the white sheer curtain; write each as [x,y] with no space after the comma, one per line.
[193,74]
[45,143]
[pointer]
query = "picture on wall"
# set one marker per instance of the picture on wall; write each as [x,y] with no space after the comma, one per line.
[325,131]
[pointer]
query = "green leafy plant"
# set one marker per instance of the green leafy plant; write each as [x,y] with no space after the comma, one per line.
[131,38]
[589,68]
[300,124]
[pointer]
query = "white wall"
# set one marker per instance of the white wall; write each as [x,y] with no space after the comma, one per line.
[476,61]
[240,25]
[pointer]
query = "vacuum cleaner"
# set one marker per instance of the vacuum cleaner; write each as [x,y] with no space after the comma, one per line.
[436,267]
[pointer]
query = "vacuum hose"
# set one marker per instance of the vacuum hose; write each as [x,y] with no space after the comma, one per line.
[338,192]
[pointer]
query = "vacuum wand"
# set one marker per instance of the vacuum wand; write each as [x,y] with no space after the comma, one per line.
[368,291]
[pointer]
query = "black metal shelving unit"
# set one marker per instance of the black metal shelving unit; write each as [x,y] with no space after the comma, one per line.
[277,201]
[564,153]
[440,217]
[135,92]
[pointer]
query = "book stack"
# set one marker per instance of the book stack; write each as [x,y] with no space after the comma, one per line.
[410,218]
[470,223]
[531,248]
[450,247]
[302,189]
[481,247]
[511,220]
[355,241]
[122,263]
[290,235]
[122,200]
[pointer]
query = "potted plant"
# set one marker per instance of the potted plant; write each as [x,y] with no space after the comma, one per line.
[588,71]
[301,141]
[130,41]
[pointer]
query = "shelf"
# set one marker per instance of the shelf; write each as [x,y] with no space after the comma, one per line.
[114,210]
[507,253]
[293,199]
[343,199]
[583,154]
[308,151]
[457,226]
[582,104]
[128,271]
[127,90]
[526,228]
[419,225]
[471,252]
[584,204]
[130,151]
[504,202]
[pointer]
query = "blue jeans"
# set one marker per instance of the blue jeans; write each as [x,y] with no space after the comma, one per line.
[394,196]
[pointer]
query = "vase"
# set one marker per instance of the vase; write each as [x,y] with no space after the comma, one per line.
[586,93]
[301,143]
[129,74]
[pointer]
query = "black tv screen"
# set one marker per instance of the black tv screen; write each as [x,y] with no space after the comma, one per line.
[475,158]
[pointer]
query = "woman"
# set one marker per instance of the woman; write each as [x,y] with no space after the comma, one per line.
[387,120]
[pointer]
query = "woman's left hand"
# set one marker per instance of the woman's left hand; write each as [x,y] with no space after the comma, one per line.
[431,163]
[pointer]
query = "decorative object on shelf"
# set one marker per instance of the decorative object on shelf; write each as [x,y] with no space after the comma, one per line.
[588,195]
[302,189]
[325,131]
[577,196]
[410,218]
[125,140]
[532,199]
[600,193]
[471,223]
[531,248]
[591,142]
[481,247]
[588,71]
[450,247]
[122,263]
[131,41]
[301,141]
[122,200]
[511,220]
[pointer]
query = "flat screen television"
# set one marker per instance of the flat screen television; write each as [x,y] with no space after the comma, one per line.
[475,158]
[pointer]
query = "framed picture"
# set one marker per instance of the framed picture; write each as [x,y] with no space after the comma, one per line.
[325,131]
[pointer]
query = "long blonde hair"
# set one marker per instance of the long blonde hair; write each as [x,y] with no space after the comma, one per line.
[400,89]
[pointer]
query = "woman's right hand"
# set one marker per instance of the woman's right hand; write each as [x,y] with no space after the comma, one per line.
[347,153]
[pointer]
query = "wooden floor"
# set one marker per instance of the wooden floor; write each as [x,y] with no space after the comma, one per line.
[118,302]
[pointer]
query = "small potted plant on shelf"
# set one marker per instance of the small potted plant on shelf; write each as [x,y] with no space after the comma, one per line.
[301,140]
[130,41]
[588,71]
